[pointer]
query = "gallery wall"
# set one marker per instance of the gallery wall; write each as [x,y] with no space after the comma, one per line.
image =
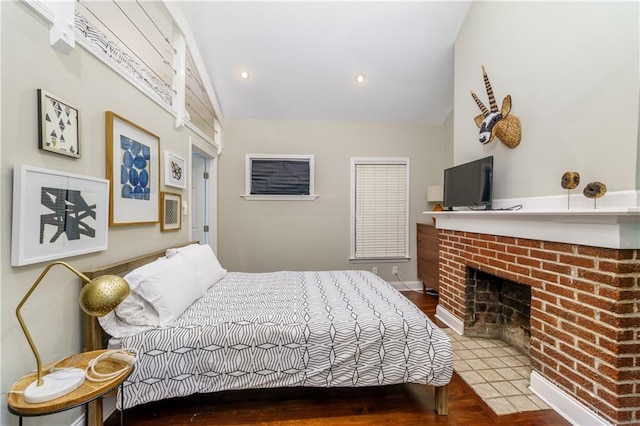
[52,313]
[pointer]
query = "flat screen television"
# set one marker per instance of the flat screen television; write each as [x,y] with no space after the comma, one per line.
[469,185]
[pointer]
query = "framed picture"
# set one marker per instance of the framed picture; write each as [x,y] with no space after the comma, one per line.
[57,125]
[57,214]
[133,167]
[171,208]
[175,172]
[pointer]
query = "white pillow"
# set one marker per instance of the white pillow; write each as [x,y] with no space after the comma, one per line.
[173,251]
[137,275]
[130,317]
[202,261]
[160,292]
[170,286]
[133,312]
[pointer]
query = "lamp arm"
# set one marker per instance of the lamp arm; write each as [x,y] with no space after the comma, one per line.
[24,299]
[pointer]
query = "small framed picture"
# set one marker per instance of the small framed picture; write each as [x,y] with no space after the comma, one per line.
[133,162]
[57,214]
[57,125]
[170,211]
[175,172]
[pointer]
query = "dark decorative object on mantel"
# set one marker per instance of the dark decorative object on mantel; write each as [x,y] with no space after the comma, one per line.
[494,123]
[594,190]
[570,180]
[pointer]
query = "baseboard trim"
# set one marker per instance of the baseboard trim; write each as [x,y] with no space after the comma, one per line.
[452,321]
[79,421]
[407,286]
[565,405]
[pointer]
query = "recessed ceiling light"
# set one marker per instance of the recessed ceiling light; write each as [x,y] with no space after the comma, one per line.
[244,75]
[360,78]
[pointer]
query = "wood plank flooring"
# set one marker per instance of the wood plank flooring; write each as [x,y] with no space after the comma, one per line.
[389,405]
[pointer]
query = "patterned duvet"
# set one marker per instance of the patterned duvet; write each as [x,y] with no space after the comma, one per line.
[286,329]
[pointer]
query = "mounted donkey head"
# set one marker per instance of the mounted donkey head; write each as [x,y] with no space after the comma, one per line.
[494,123]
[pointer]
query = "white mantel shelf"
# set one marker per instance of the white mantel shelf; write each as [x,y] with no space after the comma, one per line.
[610,228]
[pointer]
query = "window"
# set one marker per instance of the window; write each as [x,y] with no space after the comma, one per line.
[379,208]
[279,177]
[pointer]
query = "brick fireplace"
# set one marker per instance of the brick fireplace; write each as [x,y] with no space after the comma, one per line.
[584,313]
[497,308]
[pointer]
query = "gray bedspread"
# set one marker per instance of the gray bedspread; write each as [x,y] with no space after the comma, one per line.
[286,329]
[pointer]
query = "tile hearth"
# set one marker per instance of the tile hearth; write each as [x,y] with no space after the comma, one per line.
[497,372]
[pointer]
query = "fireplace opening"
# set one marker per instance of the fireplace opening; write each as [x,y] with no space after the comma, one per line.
[497,308]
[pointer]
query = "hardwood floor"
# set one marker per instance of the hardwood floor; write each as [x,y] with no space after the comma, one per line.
[389,405]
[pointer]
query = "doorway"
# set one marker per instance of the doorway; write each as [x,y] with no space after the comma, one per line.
[203,197]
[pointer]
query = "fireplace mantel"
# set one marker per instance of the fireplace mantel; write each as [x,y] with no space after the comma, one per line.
[610,228]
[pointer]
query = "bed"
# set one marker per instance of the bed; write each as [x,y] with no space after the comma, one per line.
[200,329]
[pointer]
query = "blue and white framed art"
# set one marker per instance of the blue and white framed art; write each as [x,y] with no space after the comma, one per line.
[133,167]
[57,125]
[175,170]
[57,214]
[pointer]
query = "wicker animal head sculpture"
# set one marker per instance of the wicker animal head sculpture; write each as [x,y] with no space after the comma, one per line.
[494,123]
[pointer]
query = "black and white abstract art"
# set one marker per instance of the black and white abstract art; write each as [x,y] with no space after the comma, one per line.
[175,171]
[57,214]
[58,125]
[171,212]
[67,215]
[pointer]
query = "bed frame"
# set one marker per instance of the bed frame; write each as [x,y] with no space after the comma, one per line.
[94,337]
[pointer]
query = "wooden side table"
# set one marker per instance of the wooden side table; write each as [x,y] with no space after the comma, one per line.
[87,392]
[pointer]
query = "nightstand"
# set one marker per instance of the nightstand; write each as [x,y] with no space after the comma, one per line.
[87,393]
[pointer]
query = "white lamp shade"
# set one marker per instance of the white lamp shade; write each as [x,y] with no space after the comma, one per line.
[434,193]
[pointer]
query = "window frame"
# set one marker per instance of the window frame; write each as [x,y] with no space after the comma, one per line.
[355,161]
[309,158]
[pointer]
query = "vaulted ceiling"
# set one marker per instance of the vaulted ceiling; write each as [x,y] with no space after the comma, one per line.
[302,58]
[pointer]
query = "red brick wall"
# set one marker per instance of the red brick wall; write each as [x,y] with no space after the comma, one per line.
[585,312]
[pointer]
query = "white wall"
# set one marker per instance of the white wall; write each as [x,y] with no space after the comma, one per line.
[257,236]
[572,70]
[447,160]
[29,63]
[1,230]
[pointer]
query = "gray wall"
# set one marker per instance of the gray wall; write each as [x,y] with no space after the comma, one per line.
[571,69]
[258,236]
[52,314]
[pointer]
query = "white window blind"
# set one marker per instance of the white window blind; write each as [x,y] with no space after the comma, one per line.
[380,208]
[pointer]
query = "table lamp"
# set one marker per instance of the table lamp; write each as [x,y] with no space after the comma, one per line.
[434,195]
[97,298]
